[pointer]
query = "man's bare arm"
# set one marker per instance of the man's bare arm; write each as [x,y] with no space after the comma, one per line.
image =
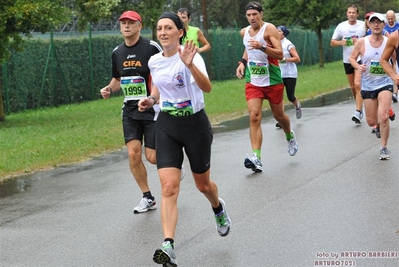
[389,52]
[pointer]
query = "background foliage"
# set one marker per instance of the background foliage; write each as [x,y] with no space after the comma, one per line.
[22,17]
[57,71]
[19,18]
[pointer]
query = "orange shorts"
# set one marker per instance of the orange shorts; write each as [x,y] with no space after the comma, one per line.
[273,93]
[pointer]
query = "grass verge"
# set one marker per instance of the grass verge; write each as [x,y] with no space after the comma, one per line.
[47,138]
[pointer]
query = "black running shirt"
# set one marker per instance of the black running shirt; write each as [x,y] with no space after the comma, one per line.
[133,60]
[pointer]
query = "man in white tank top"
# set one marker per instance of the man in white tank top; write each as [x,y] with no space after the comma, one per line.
[377,86]
[259,65]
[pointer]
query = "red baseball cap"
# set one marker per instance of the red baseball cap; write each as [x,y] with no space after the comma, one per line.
[132,15]
[368,15]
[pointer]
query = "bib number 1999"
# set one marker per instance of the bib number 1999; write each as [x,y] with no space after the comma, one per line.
[132,90]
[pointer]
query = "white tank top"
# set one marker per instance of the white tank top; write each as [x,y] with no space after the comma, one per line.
[374,77]
[261,70]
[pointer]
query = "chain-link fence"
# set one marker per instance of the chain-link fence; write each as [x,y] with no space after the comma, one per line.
[227,49]
[58,69]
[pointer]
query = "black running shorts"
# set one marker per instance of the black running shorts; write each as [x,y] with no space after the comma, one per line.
[193,133]
[374,94]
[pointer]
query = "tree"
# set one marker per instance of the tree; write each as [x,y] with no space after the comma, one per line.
[366,6]
[19,18]
[311,14]
[150,10]
[90,11]
[224,12]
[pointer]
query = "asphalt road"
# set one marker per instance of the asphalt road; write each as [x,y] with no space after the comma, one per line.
[334,203]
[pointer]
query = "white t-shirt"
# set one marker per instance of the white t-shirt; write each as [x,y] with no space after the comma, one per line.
[288,69]
[346,31]
[176,85]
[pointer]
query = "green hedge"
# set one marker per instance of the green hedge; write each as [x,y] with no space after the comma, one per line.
[52,72]
[227,49]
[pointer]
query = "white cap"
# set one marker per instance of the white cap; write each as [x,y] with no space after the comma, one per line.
[378,16]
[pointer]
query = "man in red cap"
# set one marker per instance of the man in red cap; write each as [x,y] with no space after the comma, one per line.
[130,73]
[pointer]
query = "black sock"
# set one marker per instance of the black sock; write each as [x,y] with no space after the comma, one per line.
[218,210]
[148,195]
[172,242]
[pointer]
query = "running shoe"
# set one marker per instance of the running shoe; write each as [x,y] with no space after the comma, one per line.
[298,111]
[357,117]
[373,129]
[384,153]
[278,125]
[223,221]
[292,145]
[145,204]
[394,98]
[391,114]
[252,162]
[377,132]
[165,255]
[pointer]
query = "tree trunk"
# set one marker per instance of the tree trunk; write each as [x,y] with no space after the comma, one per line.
[204,15]
[321,53]
[2,112]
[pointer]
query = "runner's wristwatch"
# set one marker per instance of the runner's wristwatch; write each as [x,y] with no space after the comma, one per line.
[263,48]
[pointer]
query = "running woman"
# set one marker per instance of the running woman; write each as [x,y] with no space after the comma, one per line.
[180,79]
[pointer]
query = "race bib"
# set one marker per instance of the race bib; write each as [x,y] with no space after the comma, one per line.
[179,108]
[349,40]
[259,69]
[134,87]
[375,68]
